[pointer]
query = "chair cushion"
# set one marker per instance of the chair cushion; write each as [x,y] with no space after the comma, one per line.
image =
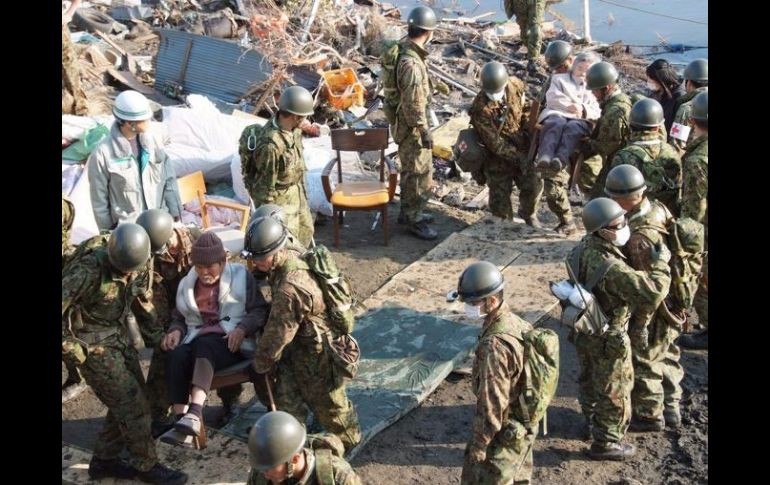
[360,194]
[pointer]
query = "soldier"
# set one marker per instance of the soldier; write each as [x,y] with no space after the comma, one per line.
[497,117]
[273,167]
[411,130]
[657,373]
[696,81]
[611,131]
[70,74]
[500,448]
[648,151]
[74,385]
[128,172]
[171,248]
[278,454]
[293,337]
[695,191]
[606,372]
[529,16]
[98,290]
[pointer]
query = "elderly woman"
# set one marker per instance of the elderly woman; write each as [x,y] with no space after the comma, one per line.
[129,172]
[219,309]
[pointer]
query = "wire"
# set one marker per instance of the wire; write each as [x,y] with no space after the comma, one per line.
[653,13]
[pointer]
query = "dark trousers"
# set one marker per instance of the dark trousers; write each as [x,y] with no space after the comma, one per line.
[560,136]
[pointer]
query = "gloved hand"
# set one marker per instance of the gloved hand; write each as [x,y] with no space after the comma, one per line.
[73,352]
[660,252]
[427,139]
[441,87]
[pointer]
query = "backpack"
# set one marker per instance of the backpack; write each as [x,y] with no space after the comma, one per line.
[391,53]
[324,446]
[85,248]
[686,240]
[592,320]
[540,374]
[246,146]
[662,170]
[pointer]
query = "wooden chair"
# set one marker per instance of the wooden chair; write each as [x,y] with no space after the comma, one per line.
[360,196]
[192,187]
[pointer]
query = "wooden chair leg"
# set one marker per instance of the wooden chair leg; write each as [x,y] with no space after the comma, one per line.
[201,441]
[385,222]
[336,229]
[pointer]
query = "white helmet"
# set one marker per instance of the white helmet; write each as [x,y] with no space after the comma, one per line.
[132,106]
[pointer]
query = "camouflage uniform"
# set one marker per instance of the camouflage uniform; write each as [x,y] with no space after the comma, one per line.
[659,163]
[657,372]
[508,145]
[683,110]
[342,472]
[294,338]
[695,191]
[67,218]
[414,86]
[95,302]
[610,135]
[606,371]
[70,75]
[529,16]
[500,450]
[274,173]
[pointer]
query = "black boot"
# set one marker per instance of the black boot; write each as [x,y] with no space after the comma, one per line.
[162,475]
[611,451]
[98,469]
[422,231]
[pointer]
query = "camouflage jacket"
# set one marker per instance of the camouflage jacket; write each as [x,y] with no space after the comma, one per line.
[611,130]
[67,218]
[496,371]
[169,268]
[683,110]
[414,86]
[341,470]
[501,126]
[659,163]
[275,164]
[695,189]
[623,289]
[297,310]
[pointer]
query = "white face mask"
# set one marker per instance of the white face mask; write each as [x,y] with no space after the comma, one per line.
[622,236]
[474,312]
[653,86]
[496,96]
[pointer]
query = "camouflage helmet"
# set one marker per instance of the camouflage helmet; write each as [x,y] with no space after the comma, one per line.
[422,17]
[700,107]
[557,53]
[697,70]
[600,75]
[128,248]
[264,236]
[268,210]
[297,101]
[479,281]
[624,180]
[159,226]
[599,212]
[493,77]
[646,113]
[274,439]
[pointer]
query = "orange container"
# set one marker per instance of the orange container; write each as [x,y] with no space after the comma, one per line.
[342,88]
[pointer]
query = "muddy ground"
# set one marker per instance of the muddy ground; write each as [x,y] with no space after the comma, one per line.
[426,446]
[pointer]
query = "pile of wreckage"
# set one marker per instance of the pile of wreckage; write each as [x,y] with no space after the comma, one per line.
[217,66]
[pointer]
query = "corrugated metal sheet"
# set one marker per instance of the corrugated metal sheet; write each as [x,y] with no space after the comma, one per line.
[216,67]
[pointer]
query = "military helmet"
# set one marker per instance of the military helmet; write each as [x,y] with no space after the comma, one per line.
[128,248]
[557,53]
[600,75]
[493,77]
[158,224]
[274,439]
[646,113]
[697,70]
[479,281]
[268,210]
[297,101]
[624,180]
[599,212]
[700,107]
[422,17]
[264,236]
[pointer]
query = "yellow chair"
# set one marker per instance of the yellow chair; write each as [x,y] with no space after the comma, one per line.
[360,196]
[192,187]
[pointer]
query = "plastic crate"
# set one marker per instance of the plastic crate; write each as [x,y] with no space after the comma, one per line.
[342,88]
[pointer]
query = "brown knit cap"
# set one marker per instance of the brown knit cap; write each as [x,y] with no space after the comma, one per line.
[208,249]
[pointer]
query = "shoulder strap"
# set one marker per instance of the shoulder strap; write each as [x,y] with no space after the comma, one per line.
[323,467]
[599,273]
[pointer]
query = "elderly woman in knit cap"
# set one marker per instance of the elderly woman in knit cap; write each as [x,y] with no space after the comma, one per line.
[219,309]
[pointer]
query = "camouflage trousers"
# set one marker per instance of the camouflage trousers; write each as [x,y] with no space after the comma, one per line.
[556,187]
[299,220]
[306,379]
[70,75]
[501,175]
[505,463]
[606,378]
[701,303]
[416,176]
[113,372]
[588,178]
[529,16]
[657,372]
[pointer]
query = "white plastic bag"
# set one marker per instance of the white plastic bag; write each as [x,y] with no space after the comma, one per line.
[576,300]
